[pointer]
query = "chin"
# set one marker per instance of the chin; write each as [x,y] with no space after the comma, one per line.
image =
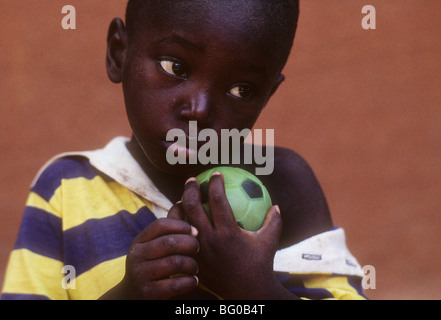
[187,170]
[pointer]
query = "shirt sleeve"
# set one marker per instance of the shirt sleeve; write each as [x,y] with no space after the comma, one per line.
[35,266]
[320,267]
[323,287]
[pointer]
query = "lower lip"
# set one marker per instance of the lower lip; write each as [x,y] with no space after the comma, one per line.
[179,150]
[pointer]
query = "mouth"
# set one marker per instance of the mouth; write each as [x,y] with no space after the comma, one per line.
[189,148]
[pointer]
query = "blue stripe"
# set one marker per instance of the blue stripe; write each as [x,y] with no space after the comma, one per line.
[355,282]
[66,168]
[99,240]
[311,293]
[282,277]
[22,296]
[295,285]
[41,233]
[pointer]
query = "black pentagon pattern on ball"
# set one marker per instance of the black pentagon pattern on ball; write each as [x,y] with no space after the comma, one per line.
[253,190]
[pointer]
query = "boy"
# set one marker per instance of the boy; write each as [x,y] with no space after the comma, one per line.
[131,226]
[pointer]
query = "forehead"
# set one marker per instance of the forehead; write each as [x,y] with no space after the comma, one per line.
[246,24]
[237,20]
[239,12]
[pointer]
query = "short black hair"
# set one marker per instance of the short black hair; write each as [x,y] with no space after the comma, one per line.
[279,20]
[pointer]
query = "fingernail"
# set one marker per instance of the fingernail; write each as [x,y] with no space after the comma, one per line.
[277,209]
[197,280]
[216,173]
[194,231]
[190,180]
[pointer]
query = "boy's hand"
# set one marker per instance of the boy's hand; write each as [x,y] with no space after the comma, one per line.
[159,264]
[234,263]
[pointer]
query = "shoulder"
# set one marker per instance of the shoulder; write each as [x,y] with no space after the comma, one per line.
[294,187]
[289,169]
[287,161]
[54,172]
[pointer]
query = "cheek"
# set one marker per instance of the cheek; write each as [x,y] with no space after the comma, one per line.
[141,97]
[238,119]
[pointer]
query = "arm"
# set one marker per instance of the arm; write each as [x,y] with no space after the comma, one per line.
[245,260]
[307,226]
[294,187]
[34,270]
[61,226]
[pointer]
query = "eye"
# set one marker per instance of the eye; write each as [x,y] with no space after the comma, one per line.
[174,68]
[241,91]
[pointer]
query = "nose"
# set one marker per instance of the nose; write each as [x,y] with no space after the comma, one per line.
[199,107]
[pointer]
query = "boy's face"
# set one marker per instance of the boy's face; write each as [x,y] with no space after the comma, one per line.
[206,64]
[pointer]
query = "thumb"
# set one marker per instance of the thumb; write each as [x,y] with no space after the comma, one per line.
[271,229]
[176,212]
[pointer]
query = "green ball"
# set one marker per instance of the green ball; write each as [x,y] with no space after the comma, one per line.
[248,197]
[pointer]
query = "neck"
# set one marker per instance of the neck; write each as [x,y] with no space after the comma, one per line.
[170,185]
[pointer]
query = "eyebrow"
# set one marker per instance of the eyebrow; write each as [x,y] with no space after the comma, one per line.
[199,47]
[186,43]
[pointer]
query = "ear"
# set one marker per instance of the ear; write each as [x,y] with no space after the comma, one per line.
[277,83]
[116,50]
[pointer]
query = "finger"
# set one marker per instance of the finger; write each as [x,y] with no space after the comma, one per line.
[173,244]
[176,212]
[162,227]
[220,208]
[272,227]
[192,205]
[176,286]
[167,267]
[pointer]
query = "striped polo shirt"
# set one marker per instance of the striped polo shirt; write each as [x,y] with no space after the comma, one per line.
[79,222]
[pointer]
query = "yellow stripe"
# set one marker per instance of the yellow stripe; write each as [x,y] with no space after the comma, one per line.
[34,200]
[338,286]
[30,273]
[85,199]
[94,283]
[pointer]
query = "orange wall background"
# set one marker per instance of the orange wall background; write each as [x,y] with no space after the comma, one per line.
[362,106]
